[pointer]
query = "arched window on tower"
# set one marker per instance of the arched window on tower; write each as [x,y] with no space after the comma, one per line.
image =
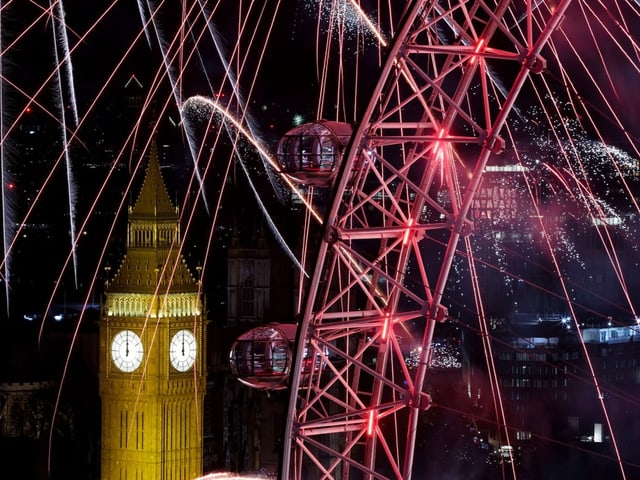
[247,297]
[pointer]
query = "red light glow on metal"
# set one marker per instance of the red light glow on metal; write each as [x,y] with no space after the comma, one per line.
[371,423]
[385,327]
[436,147]
[407,231]
[479,49]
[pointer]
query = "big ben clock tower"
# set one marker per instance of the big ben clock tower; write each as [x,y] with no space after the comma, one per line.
[152,331]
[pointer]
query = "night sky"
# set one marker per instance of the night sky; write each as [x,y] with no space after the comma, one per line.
[280,69]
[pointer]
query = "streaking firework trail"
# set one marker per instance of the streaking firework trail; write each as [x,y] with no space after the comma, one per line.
[231,124]
[61,39]
[199,100]
[230,76]
[143,18]
[8,223]
[60,30]
[174,79]
[265,213]
[367,21]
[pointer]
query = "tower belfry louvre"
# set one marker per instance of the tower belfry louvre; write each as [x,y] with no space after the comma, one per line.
[152,348]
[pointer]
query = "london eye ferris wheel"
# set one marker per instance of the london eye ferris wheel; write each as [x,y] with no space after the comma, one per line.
[404,177]
[404,169]
[399,212]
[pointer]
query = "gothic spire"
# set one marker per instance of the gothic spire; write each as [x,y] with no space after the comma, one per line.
[153,201]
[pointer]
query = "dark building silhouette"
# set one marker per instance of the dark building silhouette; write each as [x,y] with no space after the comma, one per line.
[552,402]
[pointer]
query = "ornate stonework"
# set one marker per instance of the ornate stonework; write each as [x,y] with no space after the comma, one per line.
[151,410]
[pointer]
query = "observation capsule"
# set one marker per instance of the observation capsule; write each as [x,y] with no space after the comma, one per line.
[310,154]
[261,358]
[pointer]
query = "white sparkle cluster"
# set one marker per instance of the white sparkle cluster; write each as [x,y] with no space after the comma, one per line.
[445,354]
[342,19]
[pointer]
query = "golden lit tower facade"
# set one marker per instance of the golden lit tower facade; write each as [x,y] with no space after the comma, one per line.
[152,349]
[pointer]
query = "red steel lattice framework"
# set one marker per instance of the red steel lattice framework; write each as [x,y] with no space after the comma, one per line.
[400,205]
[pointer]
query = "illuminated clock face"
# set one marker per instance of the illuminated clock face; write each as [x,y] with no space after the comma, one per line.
[182,350]
[126,351]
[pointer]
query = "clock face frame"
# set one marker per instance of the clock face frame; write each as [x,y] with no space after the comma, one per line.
[182,350]
[126,351]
